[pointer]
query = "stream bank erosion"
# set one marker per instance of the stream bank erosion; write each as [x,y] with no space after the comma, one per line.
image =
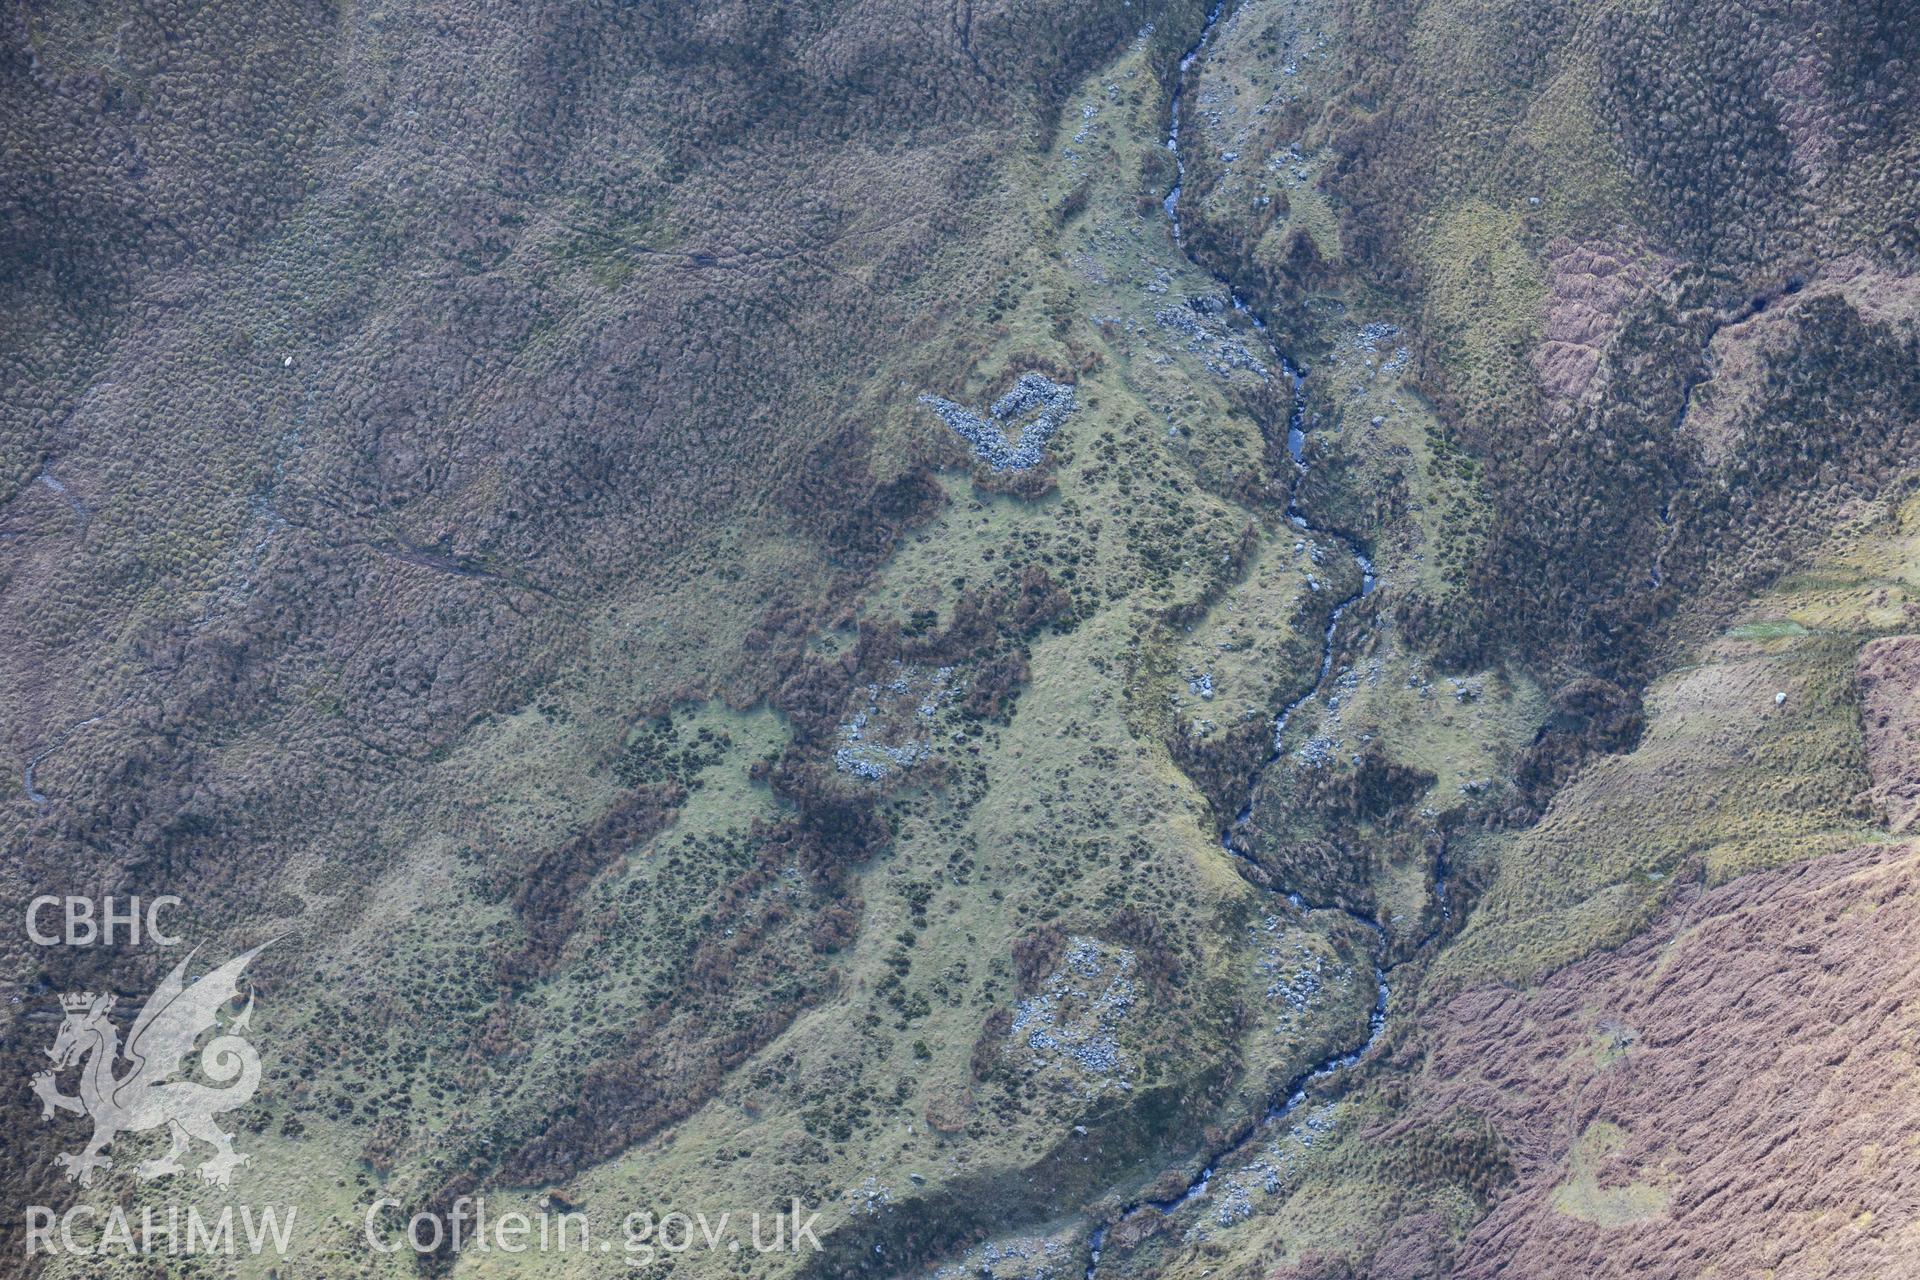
[1281,1108]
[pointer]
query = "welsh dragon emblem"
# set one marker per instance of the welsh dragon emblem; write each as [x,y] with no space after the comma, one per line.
[147,1094]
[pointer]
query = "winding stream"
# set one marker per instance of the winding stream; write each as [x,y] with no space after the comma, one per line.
[1296,1091]
[38,798]
[81,515]
[1172,202]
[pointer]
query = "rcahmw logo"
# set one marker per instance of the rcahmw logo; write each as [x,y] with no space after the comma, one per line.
[144,1085]
[146,1095]
[84,1231]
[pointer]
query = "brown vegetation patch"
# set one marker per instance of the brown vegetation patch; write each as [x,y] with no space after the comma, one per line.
[1890,718]
[549,897]
[1749,1058]
[1592,286]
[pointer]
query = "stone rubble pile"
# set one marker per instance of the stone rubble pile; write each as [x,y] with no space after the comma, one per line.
[987,437]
